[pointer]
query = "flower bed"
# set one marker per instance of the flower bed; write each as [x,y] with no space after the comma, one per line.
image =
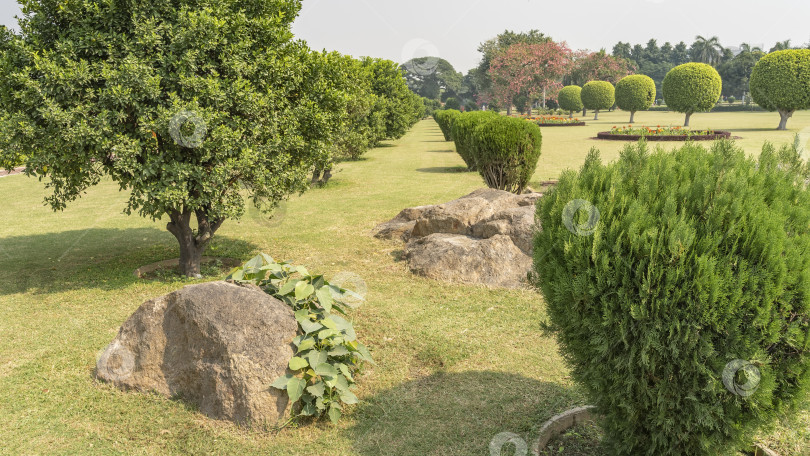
[659,133]
[556,121]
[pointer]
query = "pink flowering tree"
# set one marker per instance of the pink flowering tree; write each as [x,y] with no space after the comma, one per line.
[533,70]
[589,66]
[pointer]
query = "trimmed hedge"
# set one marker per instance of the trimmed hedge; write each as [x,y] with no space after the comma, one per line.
[635,93]
[570,99]
[598,95]
[780,82]
[462,133]
[692,87]
[445,119]
[506,150]
[677,284]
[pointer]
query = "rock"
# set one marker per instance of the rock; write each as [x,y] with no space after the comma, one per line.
[517,223]
[459,216]
[217,345]
[495,262]
[401,226]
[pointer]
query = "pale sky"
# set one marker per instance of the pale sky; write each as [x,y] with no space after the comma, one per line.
[452,29]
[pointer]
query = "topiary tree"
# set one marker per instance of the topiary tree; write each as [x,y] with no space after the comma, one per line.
[692,87]
[598,95]
[780,82]
[676,283]
[189,105]
[462,132]
[635,93]
[570,99]
[506,150]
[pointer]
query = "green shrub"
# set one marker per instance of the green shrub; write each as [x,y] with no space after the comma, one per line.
[570,99]
[678,285]
[328,353]
[780,82]
[431,106]
[471,106]
[445,120]
[505,151]
[462,132]
[598,95]
[635,93]
[731,99]
[452,103]
[692,87]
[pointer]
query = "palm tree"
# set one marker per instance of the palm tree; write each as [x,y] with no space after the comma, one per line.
[745,47]
[781,46]
[707,50]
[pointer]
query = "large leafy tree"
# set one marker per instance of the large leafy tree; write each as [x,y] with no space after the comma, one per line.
[737,71]
[495,46]
[529,70]
[192,106]
[432,77]
[590,66]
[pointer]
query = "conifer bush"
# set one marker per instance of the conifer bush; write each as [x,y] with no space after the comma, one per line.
[462,131]
[678,284]
[506,150]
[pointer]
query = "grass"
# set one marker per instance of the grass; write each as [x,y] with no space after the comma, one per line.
[456,365]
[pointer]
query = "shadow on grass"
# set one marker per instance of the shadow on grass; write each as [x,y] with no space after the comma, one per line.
[444,169]
[456,413]
[93,258]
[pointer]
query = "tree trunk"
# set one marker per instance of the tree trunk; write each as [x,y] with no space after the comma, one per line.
[584,112]
[192,244]
[785,115]
[570,114]
[327,174]
[632,115]
[509,110]
[596,115]
[316,176]
[544,98]
[686,122]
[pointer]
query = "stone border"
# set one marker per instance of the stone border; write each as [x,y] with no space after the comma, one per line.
[150,268]
[12,172]
[573,124]
[718,134]
[561,423]
[570,418]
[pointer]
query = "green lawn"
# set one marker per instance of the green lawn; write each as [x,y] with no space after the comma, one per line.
[456,365]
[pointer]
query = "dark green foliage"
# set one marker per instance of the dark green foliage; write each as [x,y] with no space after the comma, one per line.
[692,87]
[635,93]
[781,82]
[570,99]
[692,263]
[462,133]
[431,106]
[445,120]
[598,95]
[471,106]
[452,103]
[506,150]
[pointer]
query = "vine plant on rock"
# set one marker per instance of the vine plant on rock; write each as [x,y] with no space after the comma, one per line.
[328,354]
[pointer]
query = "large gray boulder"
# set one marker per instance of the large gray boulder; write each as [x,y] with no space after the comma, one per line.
[401,226]
[516,222]
[217,345]
[494,262]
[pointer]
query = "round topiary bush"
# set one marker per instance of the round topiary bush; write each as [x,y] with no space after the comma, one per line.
[678,285]
[692,87]
[635,93]
[452,103]
[597,95]
[570,99]
[462,131]
[506,150]
[780,82]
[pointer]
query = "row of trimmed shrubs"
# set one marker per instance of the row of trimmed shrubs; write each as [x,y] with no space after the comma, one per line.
[504,150]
